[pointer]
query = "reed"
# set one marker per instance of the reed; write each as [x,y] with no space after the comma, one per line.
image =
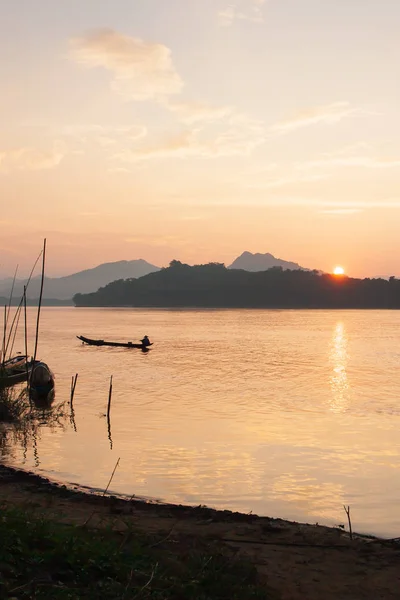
[14,405]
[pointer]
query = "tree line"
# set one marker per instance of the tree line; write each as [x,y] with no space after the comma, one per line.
[214,286]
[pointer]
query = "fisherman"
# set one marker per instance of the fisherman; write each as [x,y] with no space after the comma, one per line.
[145,341]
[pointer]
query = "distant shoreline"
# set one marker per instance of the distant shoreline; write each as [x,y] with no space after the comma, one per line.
[215,308]
[15,302]
[214,286]
[212,308]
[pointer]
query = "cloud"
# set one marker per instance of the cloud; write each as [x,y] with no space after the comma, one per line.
[130,131]
[144,71]
[157,240]
[285,181]
[329,206]
[140,70]
[366,162]
[341,211]
[103,136]
[32,159]
[357,155]
[247,10]
[330,114]
[193,112]
[238,135]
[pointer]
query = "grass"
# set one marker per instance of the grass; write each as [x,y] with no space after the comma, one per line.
[43,559]
[14,405]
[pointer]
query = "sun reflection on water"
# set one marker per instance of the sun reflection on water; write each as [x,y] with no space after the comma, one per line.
[339,381]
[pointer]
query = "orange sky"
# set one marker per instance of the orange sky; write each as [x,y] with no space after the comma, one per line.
[199,130]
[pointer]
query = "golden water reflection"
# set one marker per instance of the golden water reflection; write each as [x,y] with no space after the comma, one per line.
[338,358]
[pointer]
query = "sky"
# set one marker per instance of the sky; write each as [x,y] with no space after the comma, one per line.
[198,129]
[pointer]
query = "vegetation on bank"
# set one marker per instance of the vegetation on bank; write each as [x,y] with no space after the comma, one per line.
[43,559]
[214,286]
[35,301]
[14,404]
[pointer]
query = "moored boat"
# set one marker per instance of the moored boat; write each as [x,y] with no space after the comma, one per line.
[15,362]
[41,383]
[91,342]
[16,374]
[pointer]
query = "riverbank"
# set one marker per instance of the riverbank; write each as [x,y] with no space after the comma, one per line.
[291,561]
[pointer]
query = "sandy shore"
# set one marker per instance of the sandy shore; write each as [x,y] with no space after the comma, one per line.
[297,561]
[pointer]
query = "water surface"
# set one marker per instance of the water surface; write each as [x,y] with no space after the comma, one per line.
[284,413]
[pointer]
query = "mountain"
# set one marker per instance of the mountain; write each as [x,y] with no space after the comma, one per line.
[214,286]
[262,262]
[83,282]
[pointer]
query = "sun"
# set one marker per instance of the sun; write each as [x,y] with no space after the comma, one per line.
[338,270]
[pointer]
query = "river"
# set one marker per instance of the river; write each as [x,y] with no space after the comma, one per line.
[288,413]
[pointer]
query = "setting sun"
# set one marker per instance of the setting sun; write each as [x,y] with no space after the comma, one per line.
[338,271]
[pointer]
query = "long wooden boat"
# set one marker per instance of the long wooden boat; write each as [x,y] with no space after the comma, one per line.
[90,342]
[15,362]
[9,377]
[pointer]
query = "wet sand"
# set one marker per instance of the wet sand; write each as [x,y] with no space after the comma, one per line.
[296,561]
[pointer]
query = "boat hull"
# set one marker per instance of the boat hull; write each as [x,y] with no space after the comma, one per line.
[90,342]
[13,376]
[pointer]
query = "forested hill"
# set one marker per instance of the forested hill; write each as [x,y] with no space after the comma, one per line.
[214,286]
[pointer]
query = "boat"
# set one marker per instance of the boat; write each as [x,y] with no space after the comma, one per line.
[41,384]
[90,342]
[15,362]
[16,374]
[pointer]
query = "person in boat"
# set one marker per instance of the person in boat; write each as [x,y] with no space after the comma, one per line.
[145,341]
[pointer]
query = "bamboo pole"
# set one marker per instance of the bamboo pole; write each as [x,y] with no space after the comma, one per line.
[109,398]
[26,336]
[25,325]
[109,411]
[73,386]
[15,335]
[21,301]
[347,511]
[3,348]
[72,415]
[40,301]
[12,292]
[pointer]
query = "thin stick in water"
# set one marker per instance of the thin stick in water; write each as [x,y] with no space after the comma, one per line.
[72,415]
[73,386]
[109,397]
[111,478]
[105,491]
[108,412]
[347,511]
